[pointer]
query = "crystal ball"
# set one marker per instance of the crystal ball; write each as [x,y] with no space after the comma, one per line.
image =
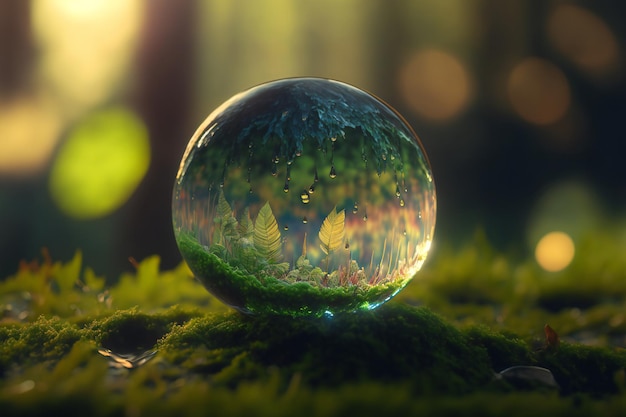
[304,197]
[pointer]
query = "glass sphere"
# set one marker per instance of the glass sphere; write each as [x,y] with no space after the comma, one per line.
[304,196]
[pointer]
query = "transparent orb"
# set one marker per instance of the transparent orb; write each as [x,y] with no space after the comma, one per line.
[304,196]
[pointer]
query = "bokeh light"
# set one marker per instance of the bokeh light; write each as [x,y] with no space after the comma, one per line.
[555,251]
[538,91]
[81,62]
[25,145]
[85,46]
[570,206]
[435,84]
[583,38]
[101,163]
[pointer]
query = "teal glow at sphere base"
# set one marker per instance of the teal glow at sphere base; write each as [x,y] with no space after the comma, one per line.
[304,196]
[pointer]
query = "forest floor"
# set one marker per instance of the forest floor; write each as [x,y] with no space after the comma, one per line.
[476,332]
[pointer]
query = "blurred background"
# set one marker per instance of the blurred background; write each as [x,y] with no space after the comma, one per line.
[521,106]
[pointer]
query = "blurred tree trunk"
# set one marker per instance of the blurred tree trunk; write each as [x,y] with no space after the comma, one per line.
[162,95]
[16,48]
[391,45]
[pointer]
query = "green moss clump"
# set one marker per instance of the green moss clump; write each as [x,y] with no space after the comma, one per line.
[45,339]
[264,294]
[578,368]
[134,331]
[504,350]
[395,343]
[49,339]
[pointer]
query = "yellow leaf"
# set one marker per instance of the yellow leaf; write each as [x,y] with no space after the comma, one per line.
[267,235]
[332,231]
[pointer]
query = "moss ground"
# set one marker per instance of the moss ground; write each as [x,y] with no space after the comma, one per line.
[270,295]
[156,343]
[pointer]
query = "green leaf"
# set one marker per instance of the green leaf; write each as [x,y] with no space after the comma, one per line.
[267,235]
[332,231]
[223,208]
[246,227]
[228,224]
[66,276]
[230,229]
[92,281]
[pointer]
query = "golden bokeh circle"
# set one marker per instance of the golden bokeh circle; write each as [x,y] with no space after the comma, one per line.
[538,91]
[435,84]
[583,38]
[555,251]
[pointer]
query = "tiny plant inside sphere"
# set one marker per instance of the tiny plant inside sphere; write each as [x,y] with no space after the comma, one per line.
[304,196]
